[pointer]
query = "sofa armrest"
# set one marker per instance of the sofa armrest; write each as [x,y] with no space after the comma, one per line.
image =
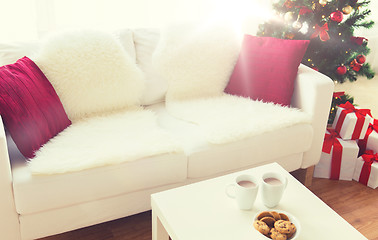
[9,224]
[313,94]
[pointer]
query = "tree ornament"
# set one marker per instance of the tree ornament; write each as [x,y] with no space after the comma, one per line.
[358,40]
[355,65]
[337,16]
[289,4]
[323,2]
[315,68]
[341,70]
[289,35]
[361,59]
[297,25]
[304,28]
[347,9]
[322,32]
[303,10]
[289,16]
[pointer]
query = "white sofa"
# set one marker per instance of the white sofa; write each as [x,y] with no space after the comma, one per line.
[35,206]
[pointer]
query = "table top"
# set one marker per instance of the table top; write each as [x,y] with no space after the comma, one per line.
[203,211]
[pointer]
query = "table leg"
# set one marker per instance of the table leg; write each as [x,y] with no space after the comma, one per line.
[158,230]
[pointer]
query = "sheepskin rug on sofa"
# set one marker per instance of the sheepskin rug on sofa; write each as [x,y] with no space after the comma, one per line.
[91,72]
[231,118]
[104,140]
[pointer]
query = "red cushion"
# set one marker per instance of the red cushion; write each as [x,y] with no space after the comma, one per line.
[30,108]
[266,69]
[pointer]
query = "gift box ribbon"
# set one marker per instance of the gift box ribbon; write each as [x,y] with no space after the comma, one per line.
[360,113]
[330,140]
[363,142]
[369,158]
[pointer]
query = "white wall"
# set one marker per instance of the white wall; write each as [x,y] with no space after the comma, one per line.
[31,19]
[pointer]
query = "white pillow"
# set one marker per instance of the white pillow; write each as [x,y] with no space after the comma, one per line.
[125,37]
[146,40]
[11,52]
[197,61]
[91,72]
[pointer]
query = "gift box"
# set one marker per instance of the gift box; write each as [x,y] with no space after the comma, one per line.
[350,122]
[370,141]
[338,157]
[366,170]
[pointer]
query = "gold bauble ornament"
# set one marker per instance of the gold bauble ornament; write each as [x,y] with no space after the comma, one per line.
[323,2]
[289,16]
[347,9]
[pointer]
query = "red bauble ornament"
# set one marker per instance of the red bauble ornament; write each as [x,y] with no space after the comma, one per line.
[341,70]
[337,16]
[361,59]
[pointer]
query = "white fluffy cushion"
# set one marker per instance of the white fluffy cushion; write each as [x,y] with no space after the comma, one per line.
[196,61]
[91,72]
[146,40]
[106,140]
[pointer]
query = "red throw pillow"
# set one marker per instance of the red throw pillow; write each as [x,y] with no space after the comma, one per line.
[266,69]
[29,106]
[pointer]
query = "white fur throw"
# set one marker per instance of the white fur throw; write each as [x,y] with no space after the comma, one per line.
[196,61]
[230,118]
[103,141]
[91,72]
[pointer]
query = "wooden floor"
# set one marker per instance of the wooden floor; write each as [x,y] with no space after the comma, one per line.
[355,202]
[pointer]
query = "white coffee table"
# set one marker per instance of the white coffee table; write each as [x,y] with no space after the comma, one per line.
[203,211]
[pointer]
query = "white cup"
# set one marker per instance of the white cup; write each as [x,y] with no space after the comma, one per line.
[273,185]
[246,188]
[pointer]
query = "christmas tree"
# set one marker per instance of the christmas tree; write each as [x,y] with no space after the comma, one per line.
[329,25]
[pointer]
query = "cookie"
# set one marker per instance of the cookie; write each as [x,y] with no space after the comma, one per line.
[283,226]
[284,217]
[264,214]
[269,221]
[261,227]
[293,229]
[276,235]
[275,215]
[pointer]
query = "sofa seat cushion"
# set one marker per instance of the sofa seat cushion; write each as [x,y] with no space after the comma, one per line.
[104,140]
[43,192]
[207,159]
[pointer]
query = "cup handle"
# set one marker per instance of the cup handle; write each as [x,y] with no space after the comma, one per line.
[228,192]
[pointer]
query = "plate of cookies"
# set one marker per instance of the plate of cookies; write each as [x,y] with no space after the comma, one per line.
[276,225]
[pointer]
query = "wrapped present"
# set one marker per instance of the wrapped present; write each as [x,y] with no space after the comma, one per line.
[350,122]
[338,157]
[366,170]
[370,141]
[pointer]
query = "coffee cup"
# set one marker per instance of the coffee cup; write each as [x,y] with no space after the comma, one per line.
[273,185]
[245,191]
